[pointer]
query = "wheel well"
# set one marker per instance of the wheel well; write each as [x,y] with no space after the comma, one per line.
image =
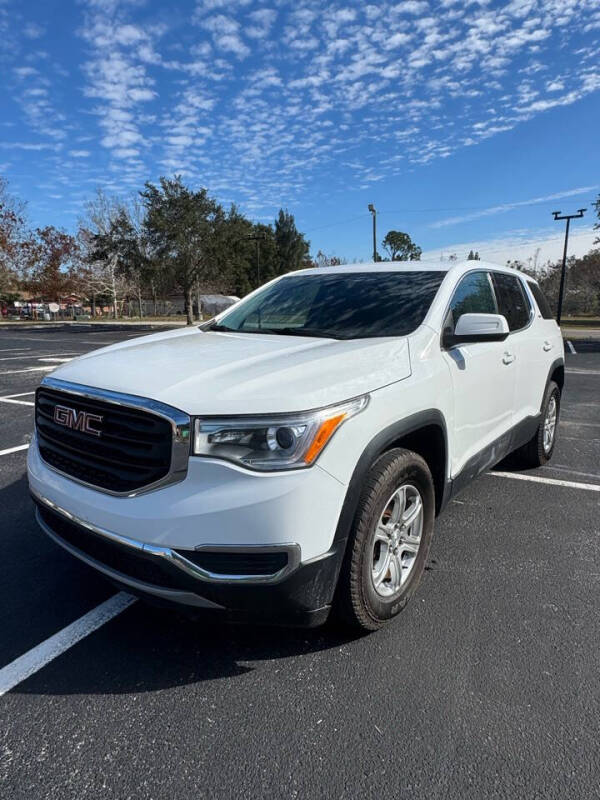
[430,443]
[558,376]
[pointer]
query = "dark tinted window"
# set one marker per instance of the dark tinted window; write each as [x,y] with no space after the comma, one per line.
[340,305]
[473,295]
[541,301]
[512,301]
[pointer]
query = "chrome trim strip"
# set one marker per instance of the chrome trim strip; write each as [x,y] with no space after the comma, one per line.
[175,558]
[187,598]
[181,426]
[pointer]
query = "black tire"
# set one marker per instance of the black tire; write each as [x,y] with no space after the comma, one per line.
[534,454]
[357,601]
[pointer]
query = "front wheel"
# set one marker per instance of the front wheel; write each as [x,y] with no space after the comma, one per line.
[389,541]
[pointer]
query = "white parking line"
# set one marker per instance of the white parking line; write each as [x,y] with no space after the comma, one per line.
[36,355]
[15,349]
[13,449]
[20,394]
[562,468]
[583,371]
[590,487]
[29,369]
[571,348]
[36,658]
[16,402]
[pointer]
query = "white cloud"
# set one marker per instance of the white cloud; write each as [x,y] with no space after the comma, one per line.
[33,31]
[25,72]
[225,33]
[530,247]
[79,153]
[503,208]
[283,92]
[33,146]
[411,7]
[261,22]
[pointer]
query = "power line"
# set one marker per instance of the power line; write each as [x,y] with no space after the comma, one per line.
[425,211]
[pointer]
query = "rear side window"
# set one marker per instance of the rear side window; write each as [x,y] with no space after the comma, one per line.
[512,300]
[541,301]
[473,295]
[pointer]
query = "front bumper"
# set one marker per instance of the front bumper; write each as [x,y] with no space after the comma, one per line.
[218,504]
[294,595]
[156,544]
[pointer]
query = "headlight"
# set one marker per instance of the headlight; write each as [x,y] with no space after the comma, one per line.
[274,442]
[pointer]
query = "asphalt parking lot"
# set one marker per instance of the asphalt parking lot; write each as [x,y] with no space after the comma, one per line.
[486,686]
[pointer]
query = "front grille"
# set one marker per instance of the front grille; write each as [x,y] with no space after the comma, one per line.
[132,451]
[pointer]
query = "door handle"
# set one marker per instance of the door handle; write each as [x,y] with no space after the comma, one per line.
[508,358]
[547,346]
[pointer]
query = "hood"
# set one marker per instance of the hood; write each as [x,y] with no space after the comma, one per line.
[204,372]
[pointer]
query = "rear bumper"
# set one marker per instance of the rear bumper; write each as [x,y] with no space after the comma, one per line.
[291,593]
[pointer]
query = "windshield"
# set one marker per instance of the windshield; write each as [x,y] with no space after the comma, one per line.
[338,305]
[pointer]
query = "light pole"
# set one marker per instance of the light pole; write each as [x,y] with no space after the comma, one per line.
[563,274]
[258,238]
[374,215]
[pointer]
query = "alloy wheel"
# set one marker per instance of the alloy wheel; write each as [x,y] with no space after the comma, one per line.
[397,540]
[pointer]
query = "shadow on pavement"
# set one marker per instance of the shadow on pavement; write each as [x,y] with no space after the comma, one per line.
[147,649]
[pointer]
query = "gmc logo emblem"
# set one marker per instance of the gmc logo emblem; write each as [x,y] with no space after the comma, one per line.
[77,420]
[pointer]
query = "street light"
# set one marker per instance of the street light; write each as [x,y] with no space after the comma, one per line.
[374,214]
[258,238]
[568,217]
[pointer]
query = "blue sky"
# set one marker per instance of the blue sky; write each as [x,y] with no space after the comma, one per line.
[465,123]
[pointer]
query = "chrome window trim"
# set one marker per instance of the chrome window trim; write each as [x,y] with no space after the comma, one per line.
[175,558]
[181,426]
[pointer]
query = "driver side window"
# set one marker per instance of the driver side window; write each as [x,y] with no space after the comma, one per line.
[473,295]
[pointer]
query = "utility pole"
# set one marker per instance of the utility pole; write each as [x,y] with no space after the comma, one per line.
[563,274]
[258,238]
[374,215]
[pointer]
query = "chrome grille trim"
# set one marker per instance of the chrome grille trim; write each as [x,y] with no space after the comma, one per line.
[180,431]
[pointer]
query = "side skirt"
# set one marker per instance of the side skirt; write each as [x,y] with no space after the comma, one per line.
[488,457]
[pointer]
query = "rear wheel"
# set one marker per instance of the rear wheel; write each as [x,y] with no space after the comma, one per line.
[538,451]
[389,541]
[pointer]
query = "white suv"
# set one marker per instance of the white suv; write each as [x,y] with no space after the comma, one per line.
[290,456]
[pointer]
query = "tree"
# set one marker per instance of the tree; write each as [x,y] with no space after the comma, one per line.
[184,229]
[51,254]
[12,235]
[400,247]
[124,244]
[292,247]
[473,256]
[101,272]
[597,225]
[323,260]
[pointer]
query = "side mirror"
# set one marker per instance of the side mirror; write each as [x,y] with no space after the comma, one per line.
[477,328]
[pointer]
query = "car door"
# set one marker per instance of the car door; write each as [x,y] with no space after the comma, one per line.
[483,381]
[526,341]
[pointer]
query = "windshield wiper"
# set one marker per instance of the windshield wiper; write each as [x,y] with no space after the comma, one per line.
[312,332]
[216,326]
